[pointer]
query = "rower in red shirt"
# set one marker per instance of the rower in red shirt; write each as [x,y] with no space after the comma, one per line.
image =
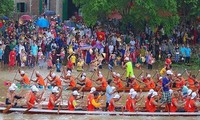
[55,80]
[192,105]
[94,101]
[118,81]
[39,80]
[147,99]
[112,105]
[72,104]
[153,104]
[191,80]
[102,80]
[134,84]
[54,98]
[24,80]
[69,79]
[33,97]
[150,84]
[85,82]
[187,100]
[89,99]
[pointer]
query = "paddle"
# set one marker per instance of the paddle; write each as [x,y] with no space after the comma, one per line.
[15,76]
[32,73]
[7,108]
[59,108]
[155,73]
[197,73]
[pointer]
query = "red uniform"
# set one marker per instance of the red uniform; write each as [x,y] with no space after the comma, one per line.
[26,80]
[58,81]
[12,58]
[88,83]
[128,102]
[147,103]
[111,106]
[90,107]
[191,106]
[173,107]
[41,81]
[187,100]
[152,107]
[70,103]
[32,99]
[50,104]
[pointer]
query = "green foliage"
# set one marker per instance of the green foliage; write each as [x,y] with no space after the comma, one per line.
[6,7]
[154,12]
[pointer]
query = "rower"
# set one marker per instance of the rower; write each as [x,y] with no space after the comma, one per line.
[129,70]
[89,98]
[191,80]
[94,102]
[112,105]
[150,83]
[193,105]
[39,80]
[128,99]
[24,80]
[153,103]
[69,79]
[180,81]
[147,100]
[187,99]
[134,84]
[12,96]
[85,82]
[72,104]
[118,81]
[102,80]
[175,106]
[133,101]
[55,80]
[54,98]
[33,97]
[114,75]
[159,83]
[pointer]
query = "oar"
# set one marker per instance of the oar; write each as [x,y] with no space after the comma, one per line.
[32,73]
[155,73]
[15,76]
[58,108]
[197,73]
[140,74]
[123,74]
[7,108]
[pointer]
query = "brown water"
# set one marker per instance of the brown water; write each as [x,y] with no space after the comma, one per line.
[18,116]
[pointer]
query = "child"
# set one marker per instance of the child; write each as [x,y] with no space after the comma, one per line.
[41,61]
[73,59]
[23,58]
[58,66]
[80,65]
[118,60]
[1,55]
[111,62]
[69,65]
[62,54]
[49,63]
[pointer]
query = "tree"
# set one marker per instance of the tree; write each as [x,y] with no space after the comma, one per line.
[154,12]
[6,7]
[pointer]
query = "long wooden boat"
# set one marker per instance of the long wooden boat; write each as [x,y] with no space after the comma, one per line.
[126,89]
[79,112]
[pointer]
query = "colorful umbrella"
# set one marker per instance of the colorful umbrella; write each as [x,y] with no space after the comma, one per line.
[43,23]
[50,13]
[115,15]
[25,17]
[5,18]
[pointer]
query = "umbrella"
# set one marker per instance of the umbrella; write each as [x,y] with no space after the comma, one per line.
[25,17]
[42,22]
[50,13]
[5,18]
[115,15]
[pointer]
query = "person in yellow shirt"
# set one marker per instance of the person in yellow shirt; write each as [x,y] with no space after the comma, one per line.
[163,71]
[95,101]
[80,65]
[73,59]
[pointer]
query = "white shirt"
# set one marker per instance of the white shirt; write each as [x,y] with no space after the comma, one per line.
[111,48]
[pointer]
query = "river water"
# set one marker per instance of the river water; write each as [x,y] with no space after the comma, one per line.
[19,116]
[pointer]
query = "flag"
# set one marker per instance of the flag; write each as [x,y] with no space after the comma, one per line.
[100,36]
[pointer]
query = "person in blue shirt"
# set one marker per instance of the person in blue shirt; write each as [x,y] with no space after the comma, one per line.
[187,54]
[109,92]
[58,66]
[166,81]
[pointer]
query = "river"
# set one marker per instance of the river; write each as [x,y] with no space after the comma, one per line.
[19,116]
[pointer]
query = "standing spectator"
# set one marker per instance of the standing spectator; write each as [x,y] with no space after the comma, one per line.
[166,81]
[177,52]
[187,54]
[23,58]
[150,61]
[1,54]
[34,50]
[12,59]
[109,93]
[182,50]
[6,55]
